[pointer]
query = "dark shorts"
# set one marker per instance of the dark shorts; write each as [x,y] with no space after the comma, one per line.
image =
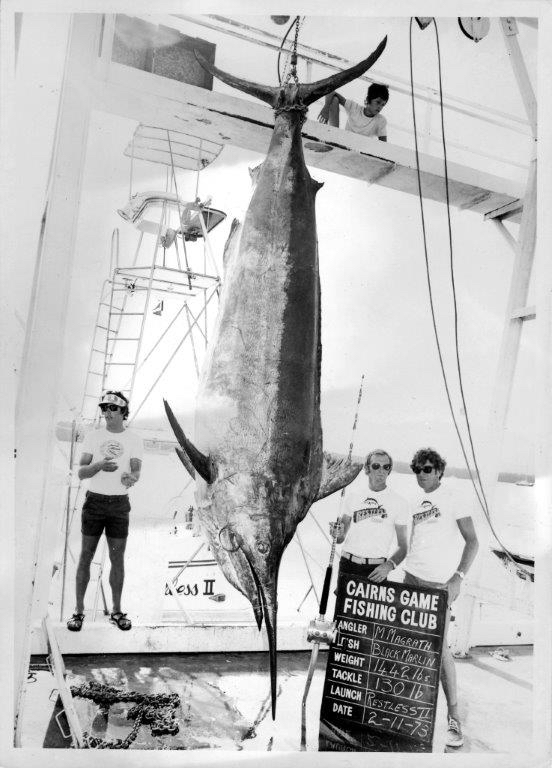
[415,581]
[350,568]
[109,512]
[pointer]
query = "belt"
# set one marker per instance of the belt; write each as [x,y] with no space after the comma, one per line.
[363,560]
[105,497]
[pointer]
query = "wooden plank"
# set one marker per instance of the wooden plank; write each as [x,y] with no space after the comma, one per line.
[245,123]
[525,313]
[508,211]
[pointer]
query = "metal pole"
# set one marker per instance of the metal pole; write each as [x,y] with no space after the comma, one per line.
[67,513]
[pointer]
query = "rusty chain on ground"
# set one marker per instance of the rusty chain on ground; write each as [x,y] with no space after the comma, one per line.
[156,710]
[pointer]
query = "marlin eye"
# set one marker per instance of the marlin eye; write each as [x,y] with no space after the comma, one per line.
[228,539]
[263,547]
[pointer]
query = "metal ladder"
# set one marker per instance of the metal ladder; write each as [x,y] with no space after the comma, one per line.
[111,323]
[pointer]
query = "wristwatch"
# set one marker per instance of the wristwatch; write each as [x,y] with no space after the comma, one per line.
[393,563]
[461,574]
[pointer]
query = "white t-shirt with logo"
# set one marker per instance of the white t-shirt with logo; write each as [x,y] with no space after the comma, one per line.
[358,122]
[119,446]
[436,543]
[374,517]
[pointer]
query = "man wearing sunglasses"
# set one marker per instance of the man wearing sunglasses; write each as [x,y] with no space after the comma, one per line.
[111,460]
[375,516]
[443,545]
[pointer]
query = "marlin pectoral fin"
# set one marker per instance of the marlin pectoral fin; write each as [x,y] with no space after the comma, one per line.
[201,463]
[337,472]
[183,456]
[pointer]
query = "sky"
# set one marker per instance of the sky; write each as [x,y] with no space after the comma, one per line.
[376,319]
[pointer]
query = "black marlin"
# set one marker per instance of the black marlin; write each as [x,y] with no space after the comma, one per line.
[258,455]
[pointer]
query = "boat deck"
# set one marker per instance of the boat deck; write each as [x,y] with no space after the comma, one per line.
[225,701]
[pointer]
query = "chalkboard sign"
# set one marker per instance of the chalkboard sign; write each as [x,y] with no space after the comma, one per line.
[382,676]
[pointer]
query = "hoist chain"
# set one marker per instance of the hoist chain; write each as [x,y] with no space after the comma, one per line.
[292,71]
[156,710]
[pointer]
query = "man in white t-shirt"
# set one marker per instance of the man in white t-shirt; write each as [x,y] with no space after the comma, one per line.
[366,119]
[376,516]
[441,524]
[111,459]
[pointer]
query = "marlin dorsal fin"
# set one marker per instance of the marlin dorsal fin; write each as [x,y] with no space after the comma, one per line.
[201,463]
[337,472]
[232,240]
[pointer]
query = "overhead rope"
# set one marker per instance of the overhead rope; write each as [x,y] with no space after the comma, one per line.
[479,491]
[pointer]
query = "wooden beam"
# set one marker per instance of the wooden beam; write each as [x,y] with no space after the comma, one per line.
[505,233]
[39,485]
[224,119]
[519,288]
[504,379]
[510,33]
[507,211]
[524,313]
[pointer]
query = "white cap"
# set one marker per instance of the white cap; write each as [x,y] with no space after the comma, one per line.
[111,398]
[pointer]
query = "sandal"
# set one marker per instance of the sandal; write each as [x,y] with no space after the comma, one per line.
[75,622]
[120,620]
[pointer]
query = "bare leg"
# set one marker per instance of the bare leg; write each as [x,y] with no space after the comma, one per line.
[448,681]
[333,116]
[448,674]
[117,572]
[89,544]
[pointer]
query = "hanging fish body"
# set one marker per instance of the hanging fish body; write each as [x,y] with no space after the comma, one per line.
[258,457]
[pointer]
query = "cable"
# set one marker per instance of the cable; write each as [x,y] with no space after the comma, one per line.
[484,505]
[452,278]
[430,290]
[481,498]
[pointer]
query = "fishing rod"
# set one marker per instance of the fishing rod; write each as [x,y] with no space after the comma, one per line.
[321,630]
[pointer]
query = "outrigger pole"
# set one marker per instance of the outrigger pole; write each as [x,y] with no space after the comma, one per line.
[320,630]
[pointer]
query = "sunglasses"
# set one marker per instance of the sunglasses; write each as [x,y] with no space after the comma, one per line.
[387,467]
[426,470]
[109,407]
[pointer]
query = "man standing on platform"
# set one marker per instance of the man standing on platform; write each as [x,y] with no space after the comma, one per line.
[364,119]
[112,459]
[375,516]
[440,521]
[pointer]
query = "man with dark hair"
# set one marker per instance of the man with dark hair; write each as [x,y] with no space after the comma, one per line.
[111,459]
[441,524]
[375,516]
[366,119]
